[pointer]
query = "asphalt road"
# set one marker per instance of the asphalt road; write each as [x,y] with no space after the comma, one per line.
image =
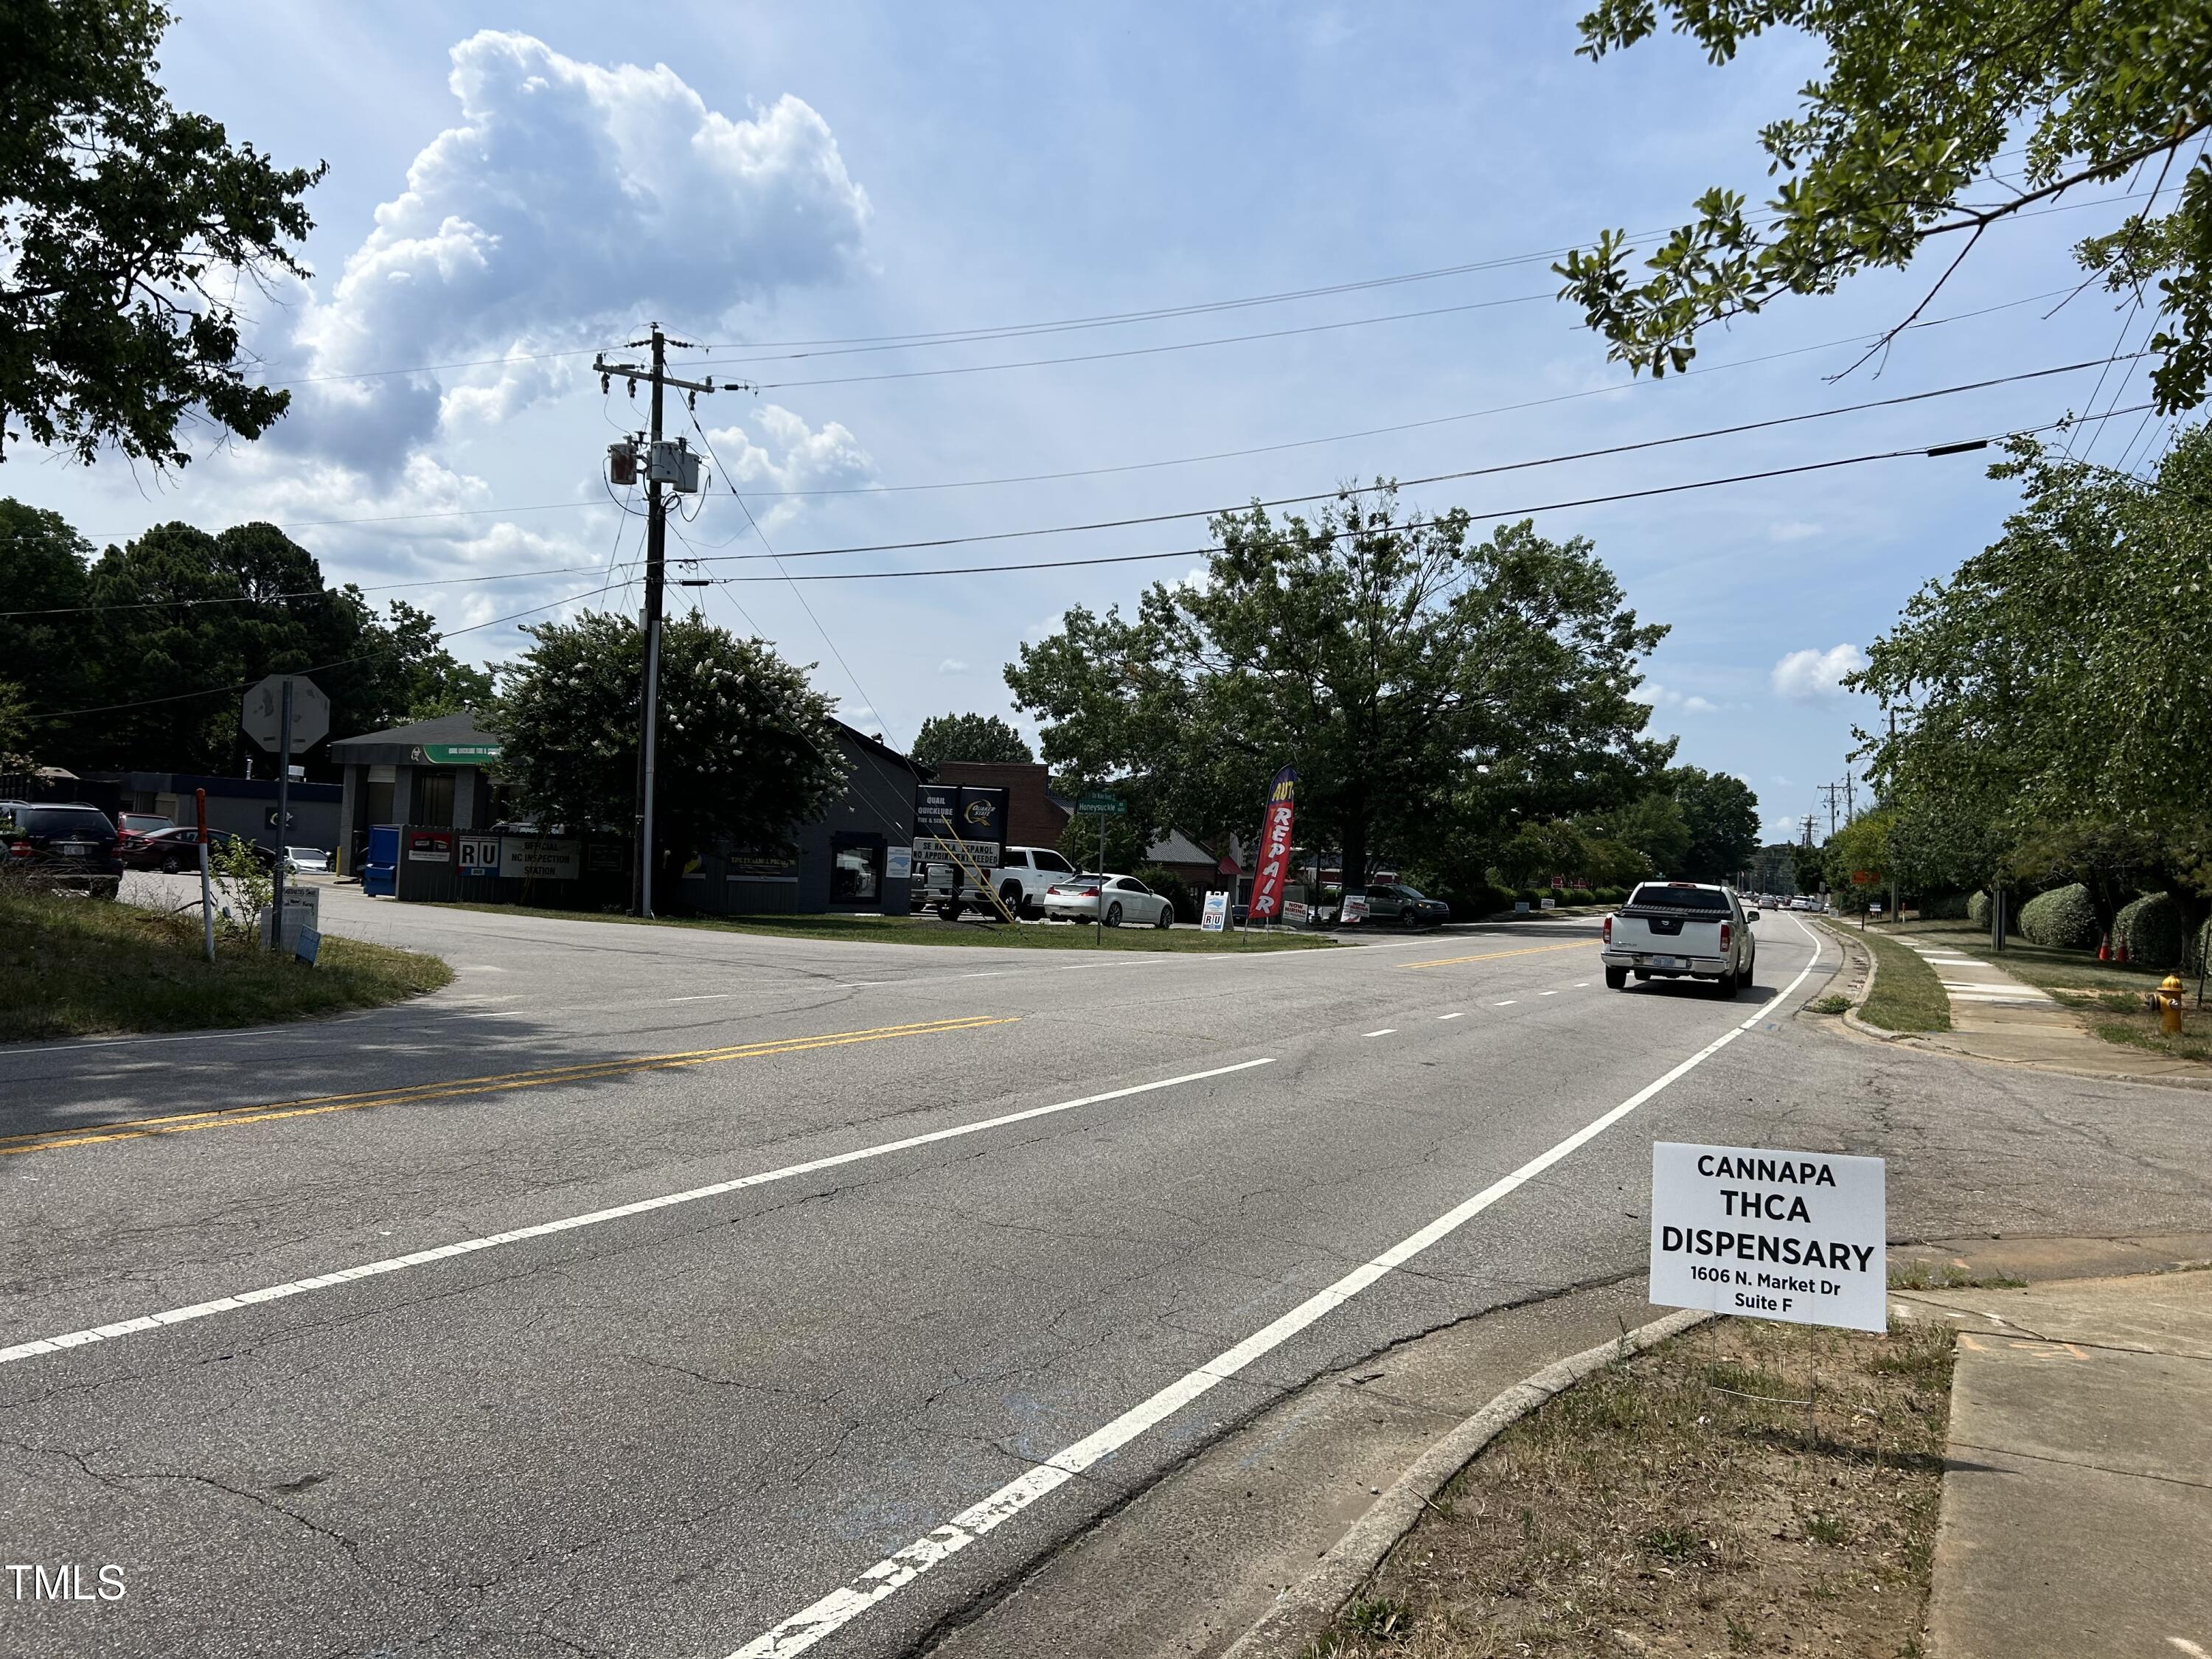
[667,1293]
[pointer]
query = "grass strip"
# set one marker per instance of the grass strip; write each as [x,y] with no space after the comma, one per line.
[1673,1504]
[1907,996]
[72,967]
[929,930]
[2043,966]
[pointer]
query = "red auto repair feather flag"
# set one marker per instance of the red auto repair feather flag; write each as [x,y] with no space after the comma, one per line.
[1274,846]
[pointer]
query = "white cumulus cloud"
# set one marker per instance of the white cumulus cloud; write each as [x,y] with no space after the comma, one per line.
[953,665]
[1808,676]
[570,201]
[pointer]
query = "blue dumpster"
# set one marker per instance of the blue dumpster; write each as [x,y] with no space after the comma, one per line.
[379,875]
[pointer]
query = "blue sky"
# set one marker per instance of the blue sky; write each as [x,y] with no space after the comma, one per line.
[507,184]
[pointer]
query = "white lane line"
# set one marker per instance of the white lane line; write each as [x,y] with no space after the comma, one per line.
[591,1219]
[1548,993]
[1508,1003]
[803,1629]
[706,996]
[1582,985]
[1460,1015]
[1387,1030]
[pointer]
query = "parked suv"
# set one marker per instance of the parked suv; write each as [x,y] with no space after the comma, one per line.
[1395,901]
[52,844]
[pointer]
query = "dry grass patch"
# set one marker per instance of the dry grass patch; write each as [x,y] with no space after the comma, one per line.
[1669,1505]
[71,966]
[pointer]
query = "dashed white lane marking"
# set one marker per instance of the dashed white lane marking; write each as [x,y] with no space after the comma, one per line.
[1548,993]
[1387,1030]
[706,996]
[1582,985]
[1460,1015]
[591,1219]
[803,1629]
[1508,1003]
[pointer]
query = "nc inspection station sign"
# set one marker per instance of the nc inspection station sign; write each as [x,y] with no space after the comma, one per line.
[1768,1234]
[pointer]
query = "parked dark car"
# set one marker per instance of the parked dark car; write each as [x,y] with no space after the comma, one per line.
[177,850]
[68,846]
[177,847]
[1394,903]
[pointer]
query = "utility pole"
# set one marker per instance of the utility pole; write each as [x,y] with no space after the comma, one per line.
[1809,829]
[1832,791]
[672,464]
[1850,801]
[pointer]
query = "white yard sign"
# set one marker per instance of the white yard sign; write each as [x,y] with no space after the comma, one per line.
[1769,1235]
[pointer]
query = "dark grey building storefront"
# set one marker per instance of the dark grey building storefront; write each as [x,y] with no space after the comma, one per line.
[435,780]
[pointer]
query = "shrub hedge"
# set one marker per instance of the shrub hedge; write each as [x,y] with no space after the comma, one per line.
[1171,887]
[2062,919]
[2152,929]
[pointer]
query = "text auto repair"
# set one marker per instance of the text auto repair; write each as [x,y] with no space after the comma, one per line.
[1779,1196]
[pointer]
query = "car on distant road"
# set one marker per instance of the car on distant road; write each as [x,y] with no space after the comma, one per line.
[61,845]
[1681,930]
[1401,906]
[1124,899]
[308,861]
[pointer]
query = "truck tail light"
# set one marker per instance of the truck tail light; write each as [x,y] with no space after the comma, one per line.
[1724,936]
[1608,930]
[21,850]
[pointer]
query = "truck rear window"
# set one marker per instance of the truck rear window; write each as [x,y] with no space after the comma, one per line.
[1650,897]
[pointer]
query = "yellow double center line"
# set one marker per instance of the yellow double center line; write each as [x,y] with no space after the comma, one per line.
[1492,955]
[590,1070]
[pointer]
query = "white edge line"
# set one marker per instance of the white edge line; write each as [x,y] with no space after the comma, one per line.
[810,1625]
[591,1219]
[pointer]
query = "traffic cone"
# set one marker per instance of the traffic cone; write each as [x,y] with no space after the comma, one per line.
[2104,947]
[2120,952]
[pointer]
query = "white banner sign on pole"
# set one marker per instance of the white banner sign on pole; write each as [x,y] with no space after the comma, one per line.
[1769,1235]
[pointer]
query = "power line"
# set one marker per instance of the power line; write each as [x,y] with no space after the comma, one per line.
[342,662]
[1603,452]
[1183,461]
[1936,450]
[731,485]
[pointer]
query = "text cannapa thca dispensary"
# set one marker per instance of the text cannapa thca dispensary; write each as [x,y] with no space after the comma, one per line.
[1771,1235]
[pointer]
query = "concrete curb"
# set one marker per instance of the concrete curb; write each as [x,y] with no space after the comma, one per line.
[1300,1615]
[1851,1014]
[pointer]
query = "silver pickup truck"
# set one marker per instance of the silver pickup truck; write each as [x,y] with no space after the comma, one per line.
[1681,930]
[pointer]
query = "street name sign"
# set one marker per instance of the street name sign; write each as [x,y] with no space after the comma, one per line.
[1797,1236]
[263,712]
[1101,806]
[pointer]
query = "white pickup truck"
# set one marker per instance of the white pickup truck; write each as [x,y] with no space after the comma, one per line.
[1681,930]
[1020,879]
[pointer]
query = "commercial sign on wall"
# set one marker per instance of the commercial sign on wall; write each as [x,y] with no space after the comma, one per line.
[962,824]
[760,866]
[430,846]
[1791,1236]
[898,863]
[479,855]
[547,860]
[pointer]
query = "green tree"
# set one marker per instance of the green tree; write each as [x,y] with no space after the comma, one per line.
[1808,864]
[1125,845]
[748,750]
[42,647]
[1390,662]
[2048,696]
[1721,815]
[1895,145]
[1538,852]
[968,737]
[1860,848]
[1654,826]
[129,227]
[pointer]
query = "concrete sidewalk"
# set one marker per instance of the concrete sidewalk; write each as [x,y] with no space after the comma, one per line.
[2077,1494]
[1996,1017]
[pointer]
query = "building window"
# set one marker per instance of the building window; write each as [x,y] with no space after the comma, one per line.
[856,875]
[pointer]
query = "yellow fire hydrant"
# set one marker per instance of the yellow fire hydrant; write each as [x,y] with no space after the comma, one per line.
[2169,1005]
